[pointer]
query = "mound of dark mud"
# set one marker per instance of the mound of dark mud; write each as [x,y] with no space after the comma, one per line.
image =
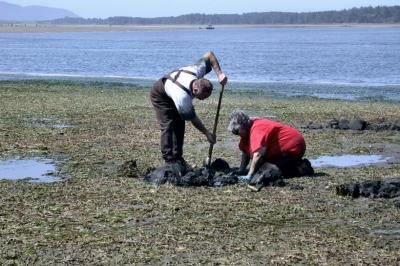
[129,169]
[219,174]
[389,188]
[356,124]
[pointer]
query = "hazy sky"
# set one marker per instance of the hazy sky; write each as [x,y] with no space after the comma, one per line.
[156,8]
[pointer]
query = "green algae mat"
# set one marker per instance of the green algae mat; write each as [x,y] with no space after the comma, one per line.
[99,216]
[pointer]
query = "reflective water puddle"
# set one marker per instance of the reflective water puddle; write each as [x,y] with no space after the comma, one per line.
[348,160]
[37,171]
[46,122]
[386,233]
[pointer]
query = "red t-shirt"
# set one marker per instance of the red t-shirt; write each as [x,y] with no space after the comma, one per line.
[278,139]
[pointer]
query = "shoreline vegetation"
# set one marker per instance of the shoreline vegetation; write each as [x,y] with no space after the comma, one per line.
[36,27]
[100,216]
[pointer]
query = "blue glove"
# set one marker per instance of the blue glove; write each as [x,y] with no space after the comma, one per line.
[244,178]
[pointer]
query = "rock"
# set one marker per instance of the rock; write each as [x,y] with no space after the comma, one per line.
[357,124]
[344,124]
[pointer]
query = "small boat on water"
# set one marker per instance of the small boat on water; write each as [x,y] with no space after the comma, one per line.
[210,27]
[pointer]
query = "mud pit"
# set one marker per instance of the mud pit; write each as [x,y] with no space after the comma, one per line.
[219,174]
[388,189]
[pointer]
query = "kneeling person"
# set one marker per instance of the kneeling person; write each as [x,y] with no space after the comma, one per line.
[272,146]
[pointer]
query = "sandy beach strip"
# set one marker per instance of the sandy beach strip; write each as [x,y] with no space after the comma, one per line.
[33,28]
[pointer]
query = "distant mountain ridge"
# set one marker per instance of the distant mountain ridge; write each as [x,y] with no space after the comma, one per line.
[11,12]
[379,14]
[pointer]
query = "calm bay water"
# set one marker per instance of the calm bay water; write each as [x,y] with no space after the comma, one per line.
[337,62]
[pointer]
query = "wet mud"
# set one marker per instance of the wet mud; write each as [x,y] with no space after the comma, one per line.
[220,174]
[129,169]
[48,122]
[356,124]
[389,188]
[217,175]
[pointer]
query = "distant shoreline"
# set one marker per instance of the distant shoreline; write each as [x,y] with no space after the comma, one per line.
[40,28]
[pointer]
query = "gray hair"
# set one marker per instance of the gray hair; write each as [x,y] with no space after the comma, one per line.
[238,120]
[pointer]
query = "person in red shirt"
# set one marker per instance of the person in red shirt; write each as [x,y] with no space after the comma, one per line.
[269,144]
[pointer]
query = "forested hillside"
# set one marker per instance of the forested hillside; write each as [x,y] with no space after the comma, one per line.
[380,14]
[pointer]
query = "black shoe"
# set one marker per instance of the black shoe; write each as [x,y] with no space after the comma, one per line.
[183,162]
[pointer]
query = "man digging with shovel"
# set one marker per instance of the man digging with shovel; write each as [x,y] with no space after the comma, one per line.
[172,97]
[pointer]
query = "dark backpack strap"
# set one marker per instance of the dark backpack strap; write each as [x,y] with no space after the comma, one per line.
[178,84]
[188,72]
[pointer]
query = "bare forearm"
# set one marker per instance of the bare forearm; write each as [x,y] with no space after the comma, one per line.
[244,162]
[213,61]
[258,159]
[199,125]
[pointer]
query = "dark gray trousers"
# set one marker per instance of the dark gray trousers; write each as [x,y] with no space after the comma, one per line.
[172,126]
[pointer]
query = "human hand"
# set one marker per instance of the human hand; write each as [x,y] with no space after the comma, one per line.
[238,171]
[223,79]
[211,138]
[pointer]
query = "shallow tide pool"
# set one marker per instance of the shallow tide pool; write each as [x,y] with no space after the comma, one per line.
[348,160]
[32,170]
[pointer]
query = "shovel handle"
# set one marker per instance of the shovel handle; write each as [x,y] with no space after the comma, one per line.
[210,150]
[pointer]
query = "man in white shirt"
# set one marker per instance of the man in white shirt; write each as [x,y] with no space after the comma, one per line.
[172,98]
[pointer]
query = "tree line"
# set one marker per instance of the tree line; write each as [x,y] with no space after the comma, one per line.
[379,14]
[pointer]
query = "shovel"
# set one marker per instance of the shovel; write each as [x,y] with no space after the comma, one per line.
[210,150]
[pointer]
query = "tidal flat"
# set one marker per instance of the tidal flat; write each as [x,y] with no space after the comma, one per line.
[98,216]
